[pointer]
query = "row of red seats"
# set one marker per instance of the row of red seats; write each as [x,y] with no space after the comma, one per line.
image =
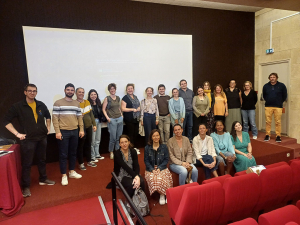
[288,215]
[226,198]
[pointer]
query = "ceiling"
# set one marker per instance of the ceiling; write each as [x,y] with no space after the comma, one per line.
[235,5]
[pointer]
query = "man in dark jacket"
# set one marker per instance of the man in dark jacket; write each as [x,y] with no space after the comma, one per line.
[274,93]
[31,115]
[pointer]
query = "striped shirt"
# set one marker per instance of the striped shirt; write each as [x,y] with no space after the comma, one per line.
[67,115]
[87,112]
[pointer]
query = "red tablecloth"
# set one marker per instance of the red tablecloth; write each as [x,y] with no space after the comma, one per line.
[11,198]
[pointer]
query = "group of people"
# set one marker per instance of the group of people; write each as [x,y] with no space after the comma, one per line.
[77,124]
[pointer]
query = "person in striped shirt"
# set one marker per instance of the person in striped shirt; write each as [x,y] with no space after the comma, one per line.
[67,119]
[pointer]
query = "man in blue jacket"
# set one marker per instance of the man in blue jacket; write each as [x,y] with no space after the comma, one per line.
[274,93]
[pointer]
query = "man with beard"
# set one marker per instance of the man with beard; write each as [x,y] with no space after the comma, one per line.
[67,117]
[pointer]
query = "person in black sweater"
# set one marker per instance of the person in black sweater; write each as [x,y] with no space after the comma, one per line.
[249,97]
[274,93]
[126,166]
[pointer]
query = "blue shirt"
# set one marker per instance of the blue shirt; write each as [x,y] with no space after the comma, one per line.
[222,143]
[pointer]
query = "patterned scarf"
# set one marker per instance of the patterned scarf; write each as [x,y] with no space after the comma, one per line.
[135,104]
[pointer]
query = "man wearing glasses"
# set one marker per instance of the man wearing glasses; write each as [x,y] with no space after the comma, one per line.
[31,115]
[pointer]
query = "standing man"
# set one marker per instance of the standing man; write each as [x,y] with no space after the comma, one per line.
[31,115]
[187,95]
[274,93]
[164,114]
[67,117]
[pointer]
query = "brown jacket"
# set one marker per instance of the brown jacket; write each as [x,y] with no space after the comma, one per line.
[177,156]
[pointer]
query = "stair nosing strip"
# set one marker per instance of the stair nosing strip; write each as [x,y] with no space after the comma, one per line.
[126,212]
[104,210]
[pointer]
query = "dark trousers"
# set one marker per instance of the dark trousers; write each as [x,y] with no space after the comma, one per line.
[28,150]
[196,122]
[127,184]
[188,125]
[67,149]
[149,124]
[221,118]
[132,130]
[207,159]
[84,145]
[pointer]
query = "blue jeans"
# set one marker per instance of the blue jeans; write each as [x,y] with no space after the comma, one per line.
[188,125]
[96,138]
[149,124]
[251,115]
[115,129]
[67,149]
[207,159]
[182,171]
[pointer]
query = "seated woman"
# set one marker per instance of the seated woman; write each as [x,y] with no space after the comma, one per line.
[223,145]
[126,166]
[181,155]
[204,152]
[242,146]
[156,159]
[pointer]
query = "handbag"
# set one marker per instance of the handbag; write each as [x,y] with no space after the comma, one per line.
[140,200]
[189,169]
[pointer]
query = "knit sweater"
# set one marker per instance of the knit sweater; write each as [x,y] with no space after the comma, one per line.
[87,112]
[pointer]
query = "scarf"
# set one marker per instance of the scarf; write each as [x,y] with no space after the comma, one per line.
[135,104]
[208,94]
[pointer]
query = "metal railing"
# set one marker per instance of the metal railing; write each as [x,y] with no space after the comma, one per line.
[116,208]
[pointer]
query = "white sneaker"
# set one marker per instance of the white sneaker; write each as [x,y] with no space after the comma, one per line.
[74,175]
[254,137]
[111,155]
[64,180]
[166,200]
[100,157]
[162,200]
[95,160]
[137,150]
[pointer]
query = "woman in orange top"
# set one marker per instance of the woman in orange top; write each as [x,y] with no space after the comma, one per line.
[220,107]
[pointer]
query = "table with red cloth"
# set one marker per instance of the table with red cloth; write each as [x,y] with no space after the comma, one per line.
[11,198]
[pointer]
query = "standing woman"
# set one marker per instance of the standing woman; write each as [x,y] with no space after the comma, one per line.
[249,100]
[131,111]
[156,159]
[234,101]
[176,108]
[149,113]
[220,107]
[96,136]
[112,111]
[242,146]
[210,114]
[201,109]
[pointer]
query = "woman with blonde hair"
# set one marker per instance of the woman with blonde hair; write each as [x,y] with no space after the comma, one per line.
[249,97]
[220,107]
[210,114]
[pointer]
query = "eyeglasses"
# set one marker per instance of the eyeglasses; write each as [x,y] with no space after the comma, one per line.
[30,91]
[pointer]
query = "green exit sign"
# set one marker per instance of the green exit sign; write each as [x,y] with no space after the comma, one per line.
[270,51]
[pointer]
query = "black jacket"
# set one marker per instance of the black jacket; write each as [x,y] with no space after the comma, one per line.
[274,95]
[119,162]
[34,131]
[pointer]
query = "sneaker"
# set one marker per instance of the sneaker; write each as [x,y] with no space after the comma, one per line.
[162,200]
[100,157]
[26,192]
[267,138]
[278,139]
[47,182]
[94,160]
[82,167]
[137,151]
[111,155]
[254,137]
[64,181]
[91,164]
[166,200]
[74,175]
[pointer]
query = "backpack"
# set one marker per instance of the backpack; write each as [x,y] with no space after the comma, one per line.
[141,202]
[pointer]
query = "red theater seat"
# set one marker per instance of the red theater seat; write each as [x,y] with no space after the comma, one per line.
[241,196]
[298,204]
[248,221]
[220,179]
[201,204]
[275,185]
[294,193]
[174,196]
[280,216]
[292,223]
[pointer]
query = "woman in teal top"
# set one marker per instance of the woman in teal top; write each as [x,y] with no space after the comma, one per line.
[242,146]
[176,108]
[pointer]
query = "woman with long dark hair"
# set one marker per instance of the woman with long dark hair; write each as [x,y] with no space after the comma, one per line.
[96,136]
[242,147]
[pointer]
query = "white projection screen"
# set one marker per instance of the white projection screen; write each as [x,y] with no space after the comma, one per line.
[93,59]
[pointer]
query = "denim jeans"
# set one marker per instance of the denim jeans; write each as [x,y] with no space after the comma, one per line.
[28,150]
[67,149]
[115,129]
[149,125]
[251,115]
[188,125]
[164,128]
[207,159]
[182,171]
[96,138]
